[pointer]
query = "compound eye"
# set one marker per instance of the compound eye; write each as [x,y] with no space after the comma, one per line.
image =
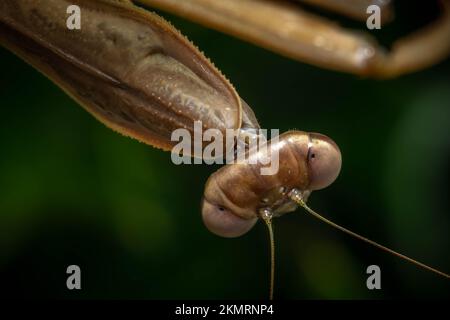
[222,222]
[324,161]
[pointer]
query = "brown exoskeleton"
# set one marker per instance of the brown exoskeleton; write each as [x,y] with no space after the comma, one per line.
[139,76]
[287,28]
[308,162]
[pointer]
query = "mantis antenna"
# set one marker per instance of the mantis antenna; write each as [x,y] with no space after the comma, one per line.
[267,215]
[296,196]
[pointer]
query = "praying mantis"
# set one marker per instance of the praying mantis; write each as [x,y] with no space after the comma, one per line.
[139,76]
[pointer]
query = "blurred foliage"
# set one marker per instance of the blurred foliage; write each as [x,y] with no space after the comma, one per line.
[74,192]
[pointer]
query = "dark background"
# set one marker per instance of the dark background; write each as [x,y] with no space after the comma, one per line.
[74,192]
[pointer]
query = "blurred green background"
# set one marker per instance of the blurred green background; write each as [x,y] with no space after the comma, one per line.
[74,192]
